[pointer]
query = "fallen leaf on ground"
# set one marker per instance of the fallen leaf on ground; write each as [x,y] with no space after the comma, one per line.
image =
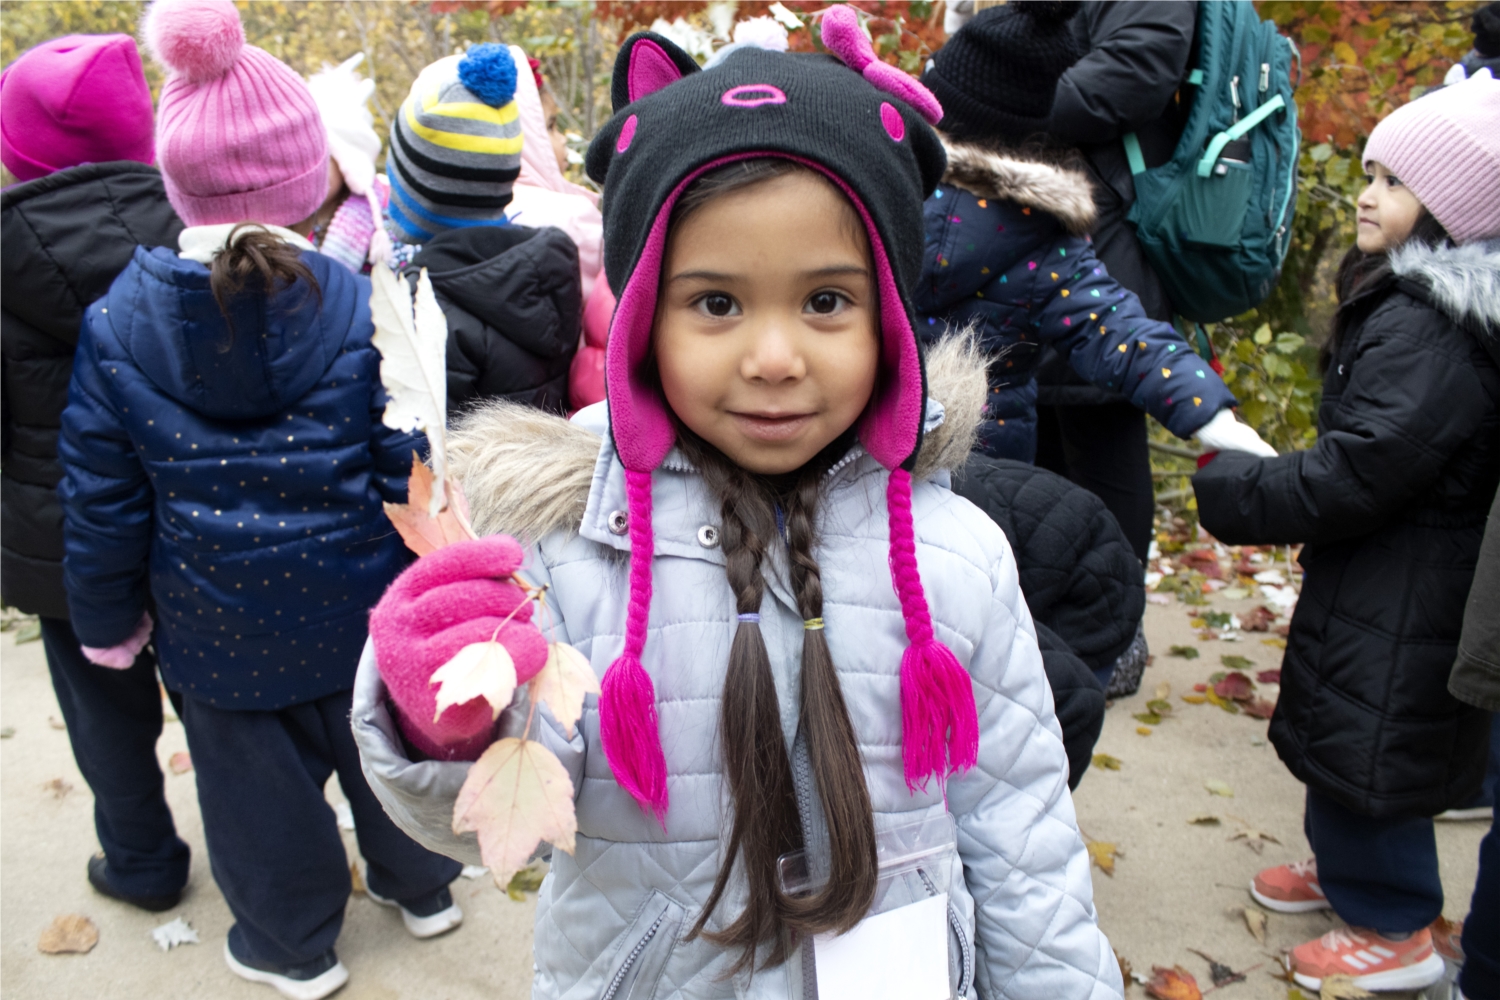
[1175,983]
[1218,619]
[1200,688]
[1195,699]
[174,933]
[479,670]
[1197,622]
[1296,994]
[1208,635]
[7,732]
[1205,561]
[1217,787]
[1255,923]
[1213,696]
[1341,987]
[1186,652]
[1260,708]
[1126,972]
[1204,819]
[344,813]
[474,871]
[1269,677]
[1235,686]
[180,762]
[1278,643]
[1149,718]
[356,878]
[528,879]
[69,933]
[1234,662]
[1163,690]
[57,787]
[1159,706]
[517,795]
[29,632]
[1158,599]
[1257,619]
[1222,974]
[1256,840]
[1105,762]
[563,682]
[1143,730]
[56,723]
[1103,855]
[1234,593]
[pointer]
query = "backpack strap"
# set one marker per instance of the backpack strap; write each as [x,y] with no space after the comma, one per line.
[1217,143]
[1133,153]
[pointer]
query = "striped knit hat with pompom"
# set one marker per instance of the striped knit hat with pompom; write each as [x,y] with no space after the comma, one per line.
[456,145]
[866,127]
[238,137]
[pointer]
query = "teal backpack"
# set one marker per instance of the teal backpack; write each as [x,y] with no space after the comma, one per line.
[1215,221]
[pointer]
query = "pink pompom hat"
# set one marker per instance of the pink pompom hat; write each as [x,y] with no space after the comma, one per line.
[869,133]
[238,135]
[72,100]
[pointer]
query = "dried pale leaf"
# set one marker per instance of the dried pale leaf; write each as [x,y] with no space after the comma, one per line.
[1219,788]
[1254,839]
[1222,974]
[56,723]
[1126,972]
[1215,698]
[474,871]
[173,933]
[180,762]
[1341,987]
[1105,762]
[517,795]
[356,878]
[1163,690]
[7,732]
[1260,708]
[71,933]
[1144,730]
[528,879]
[1195,699]
[1175,983]
[1204,819]
[57,787]
[1103,855]
[1255,923]
[413,349]
[479,670]
[1159,706]
[563,682]
[1278,643]
[420,530]
[344,814]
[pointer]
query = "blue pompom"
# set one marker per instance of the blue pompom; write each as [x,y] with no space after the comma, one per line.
[490,73]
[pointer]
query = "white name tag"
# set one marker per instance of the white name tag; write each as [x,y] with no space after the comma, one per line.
[901,954]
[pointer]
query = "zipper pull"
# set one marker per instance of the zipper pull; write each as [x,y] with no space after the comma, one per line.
[1234,95]
[1265,77]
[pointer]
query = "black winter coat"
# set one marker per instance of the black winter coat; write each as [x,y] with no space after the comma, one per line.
[1135,57]
[1391,503]
[66,236]
[1080,578]
[514,304]
[1476,673]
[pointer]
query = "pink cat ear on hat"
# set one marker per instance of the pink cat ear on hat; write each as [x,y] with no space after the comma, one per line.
[650,63]
[843,37]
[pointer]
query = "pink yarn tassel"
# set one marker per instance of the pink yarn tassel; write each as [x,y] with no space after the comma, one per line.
[939,724]
[628,725]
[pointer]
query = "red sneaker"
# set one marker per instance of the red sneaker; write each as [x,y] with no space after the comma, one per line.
[1447,939]
[1290,888]
[1374,962]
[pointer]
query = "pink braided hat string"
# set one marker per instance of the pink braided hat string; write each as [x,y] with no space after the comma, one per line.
[628,726]
[842,37]
[939,724]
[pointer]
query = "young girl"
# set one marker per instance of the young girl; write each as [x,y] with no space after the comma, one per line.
[349,226]
[223,433]
[805,639]
[1391,504]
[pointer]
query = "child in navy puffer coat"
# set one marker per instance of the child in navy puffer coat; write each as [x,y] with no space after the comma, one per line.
[1007,249]
[225,467]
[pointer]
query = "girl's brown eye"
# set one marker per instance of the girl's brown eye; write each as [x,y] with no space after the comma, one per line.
[718,305]
[824,303]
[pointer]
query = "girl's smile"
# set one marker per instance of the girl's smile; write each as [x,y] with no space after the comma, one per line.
[765,334]
[1387,211]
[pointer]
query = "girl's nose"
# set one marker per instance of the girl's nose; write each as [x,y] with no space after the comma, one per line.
[772,355]
[1366,198]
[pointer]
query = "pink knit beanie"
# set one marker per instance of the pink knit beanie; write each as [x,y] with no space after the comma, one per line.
[76,99]
[1445,146]
[238,137]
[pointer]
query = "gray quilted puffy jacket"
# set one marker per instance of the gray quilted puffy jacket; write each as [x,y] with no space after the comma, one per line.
[611,917]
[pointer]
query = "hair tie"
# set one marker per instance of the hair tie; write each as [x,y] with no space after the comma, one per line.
[752,618]
[812,624]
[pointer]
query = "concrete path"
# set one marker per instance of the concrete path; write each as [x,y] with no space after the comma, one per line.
[1176,886]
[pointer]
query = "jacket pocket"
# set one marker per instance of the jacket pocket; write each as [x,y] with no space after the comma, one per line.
[643,951]
[960,955]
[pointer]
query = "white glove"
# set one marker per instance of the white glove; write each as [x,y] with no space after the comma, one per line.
[1225,433]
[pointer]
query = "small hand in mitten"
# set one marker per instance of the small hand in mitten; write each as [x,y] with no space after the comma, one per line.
[1224,433]
[458,596]
[122,657]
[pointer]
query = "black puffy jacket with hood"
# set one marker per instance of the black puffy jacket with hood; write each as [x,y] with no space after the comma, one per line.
[1391,503]
[514,303]
[66,237]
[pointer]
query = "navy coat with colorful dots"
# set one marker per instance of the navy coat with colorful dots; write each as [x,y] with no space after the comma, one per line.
[232,475]
[1013,271]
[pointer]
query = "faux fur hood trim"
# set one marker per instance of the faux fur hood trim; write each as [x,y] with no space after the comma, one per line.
[528,473]
[1062,193]
[1463,281]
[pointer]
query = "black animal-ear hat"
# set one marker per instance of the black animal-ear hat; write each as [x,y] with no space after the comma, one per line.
[866,127]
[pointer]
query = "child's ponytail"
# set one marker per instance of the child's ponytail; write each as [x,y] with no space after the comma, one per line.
[254,257]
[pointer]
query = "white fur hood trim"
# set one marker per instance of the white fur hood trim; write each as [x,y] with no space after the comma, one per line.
[1062,193]
[1464,281]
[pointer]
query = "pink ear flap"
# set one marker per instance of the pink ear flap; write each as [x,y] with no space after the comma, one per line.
[842,37]
[647,63]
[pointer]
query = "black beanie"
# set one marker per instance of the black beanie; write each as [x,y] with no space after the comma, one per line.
[1486,26]
[997,75]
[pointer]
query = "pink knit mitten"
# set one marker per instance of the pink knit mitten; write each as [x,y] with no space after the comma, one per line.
[122,657]
[453,597]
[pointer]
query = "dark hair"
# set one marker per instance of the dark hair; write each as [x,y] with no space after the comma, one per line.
[741,174]
[258,261]
[1359,272]
[757,766]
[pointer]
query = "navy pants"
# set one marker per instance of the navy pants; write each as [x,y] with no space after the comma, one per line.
[1103,449]
[1480,978]
[1377,873]
[273,842]
[114,720]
